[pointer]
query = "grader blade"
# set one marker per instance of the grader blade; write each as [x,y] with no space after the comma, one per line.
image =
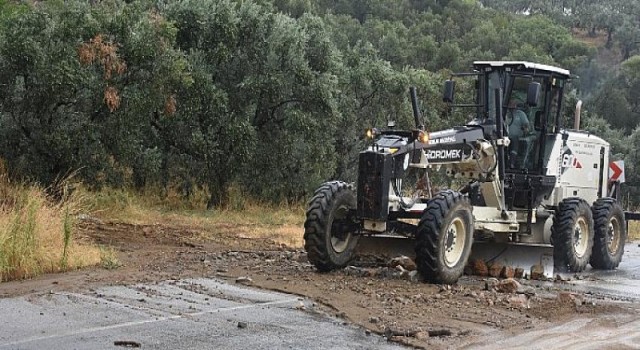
[386,246]
[529,257]
[525,256]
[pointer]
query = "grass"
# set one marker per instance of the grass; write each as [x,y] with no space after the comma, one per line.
[243,218]
[37,235]
[634,230]
[109,258]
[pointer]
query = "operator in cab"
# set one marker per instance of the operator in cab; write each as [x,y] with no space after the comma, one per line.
[518,126]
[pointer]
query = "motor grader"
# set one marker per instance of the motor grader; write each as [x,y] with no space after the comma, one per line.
[543,198]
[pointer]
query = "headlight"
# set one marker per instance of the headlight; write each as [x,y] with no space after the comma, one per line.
[423,137]
[371,133]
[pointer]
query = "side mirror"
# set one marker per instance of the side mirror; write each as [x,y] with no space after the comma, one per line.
[533,94]
[449,89]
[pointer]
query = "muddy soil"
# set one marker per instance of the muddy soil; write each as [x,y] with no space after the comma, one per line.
[382,299]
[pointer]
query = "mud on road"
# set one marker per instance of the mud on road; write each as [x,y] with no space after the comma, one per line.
[373,294]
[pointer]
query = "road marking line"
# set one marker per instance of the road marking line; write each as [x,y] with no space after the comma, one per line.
[142,322]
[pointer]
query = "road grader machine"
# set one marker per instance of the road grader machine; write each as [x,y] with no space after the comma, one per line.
[541,198]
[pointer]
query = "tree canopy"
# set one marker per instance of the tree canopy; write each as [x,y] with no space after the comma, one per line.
[272,96]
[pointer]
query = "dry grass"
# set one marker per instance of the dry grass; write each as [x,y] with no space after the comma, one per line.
[36,235]
[282,224]
[634,230]
[242,218]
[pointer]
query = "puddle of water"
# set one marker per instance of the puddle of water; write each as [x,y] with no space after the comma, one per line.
[622,283]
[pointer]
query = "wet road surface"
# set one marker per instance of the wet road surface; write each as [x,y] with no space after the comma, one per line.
[187,314]
[601,332]
[208,314]
[616,331]
[622,284]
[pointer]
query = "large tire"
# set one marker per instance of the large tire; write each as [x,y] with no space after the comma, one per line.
[329,238]
[444,237]
[610,234]
[572,235]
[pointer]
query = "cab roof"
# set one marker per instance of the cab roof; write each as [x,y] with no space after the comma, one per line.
[523,65]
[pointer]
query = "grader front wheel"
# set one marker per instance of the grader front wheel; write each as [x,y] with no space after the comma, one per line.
[444,237]
[329,233]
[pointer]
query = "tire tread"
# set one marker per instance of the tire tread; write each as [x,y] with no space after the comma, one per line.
[315,226]
[601,258]
[568,212]
[428,237]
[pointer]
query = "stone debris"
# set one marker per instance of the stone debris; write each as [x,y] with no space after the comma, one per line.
[519,272]
[89,218]
[537,272]
[361,271]
[507,272]
[418,334]
[479,268]
[526,290]
[507,290]
[570,298]
[519,301]
[127,343]
[422,335]
[495,269]
[508,285]
[397,272]
[302,258]
[244,280]
[403,261]
[414,276]
[491,283]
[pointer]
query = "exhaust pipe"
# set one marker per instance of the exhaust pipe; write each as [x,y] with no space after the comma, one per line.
[576,118]
[416,110]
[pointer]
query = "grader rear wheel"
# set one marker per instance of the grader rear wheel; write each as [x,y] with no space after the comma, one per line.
[610,234]
[572,235]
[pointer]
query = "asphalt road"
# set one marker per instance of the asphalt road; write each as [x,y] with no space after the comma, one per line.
[186,314]
[622,284]
[210,314]
[584,333]
[609,331]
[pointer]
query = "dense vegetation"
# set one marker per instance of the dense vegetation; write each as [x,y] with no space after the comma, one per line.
[271,97]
